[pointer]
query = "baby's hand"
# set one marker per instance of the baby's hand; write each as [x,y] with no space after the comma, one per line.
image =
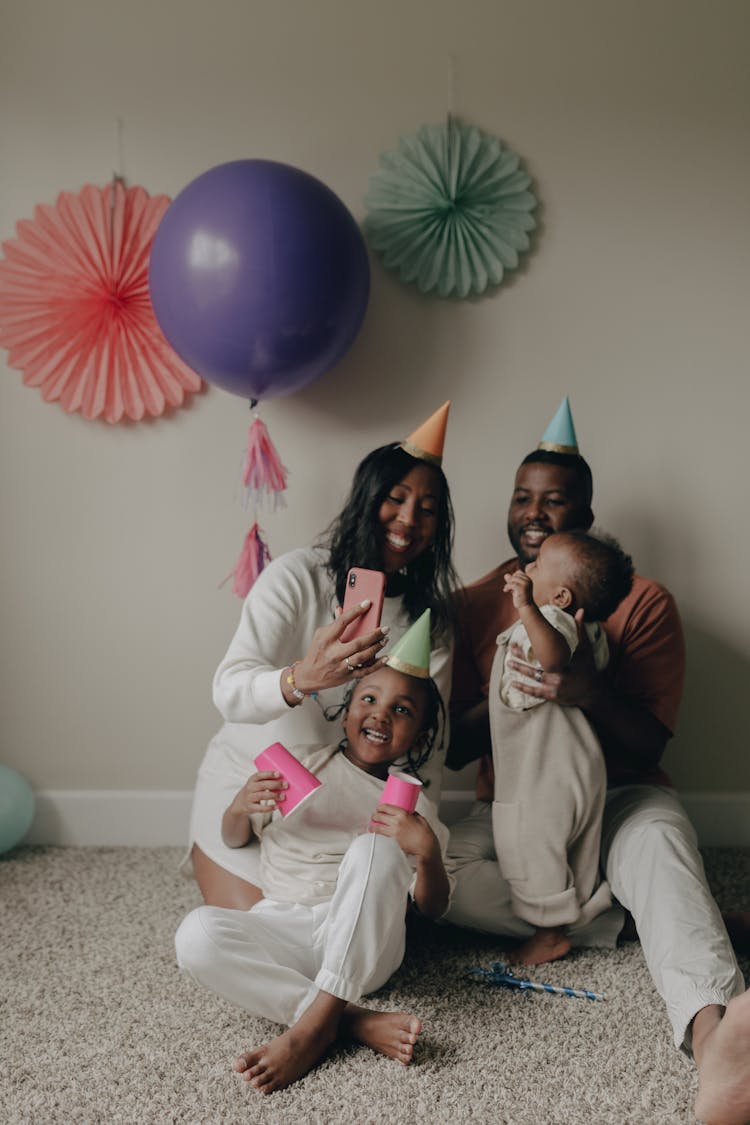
[519,586]
[262,793]
[411,831]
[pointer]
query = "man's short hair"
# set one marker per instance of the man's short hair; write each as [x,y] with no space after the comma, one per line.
[572,461]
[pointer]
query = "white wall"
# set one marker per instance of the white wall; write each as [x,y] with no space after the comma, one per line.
[632,117]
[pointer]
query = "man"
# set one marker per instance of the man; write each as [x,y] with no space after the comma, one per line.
[649,848]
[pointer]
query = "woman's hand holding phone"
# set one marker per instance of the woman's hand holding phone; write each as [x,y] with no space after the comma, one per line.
[329,662]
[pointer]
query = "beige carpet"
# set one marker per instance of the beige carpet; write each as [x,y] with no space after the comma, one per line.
[97,1025]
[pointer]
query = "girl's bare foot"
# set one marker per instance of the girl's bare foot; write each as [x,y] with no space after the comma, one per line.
[290,1055]
[282,1061]
[542,946]
[723,1058]
[391,1033]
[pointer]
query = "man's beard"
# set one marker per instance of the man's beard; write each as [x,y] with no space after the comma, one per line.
[524,557]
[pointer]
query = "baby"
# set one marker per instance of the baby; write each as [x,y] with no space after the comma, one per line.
[550,776]
[573,571]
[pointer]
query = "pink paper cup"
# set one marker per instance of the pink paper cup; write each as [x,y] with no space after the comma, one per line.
[302,783]
[402,790]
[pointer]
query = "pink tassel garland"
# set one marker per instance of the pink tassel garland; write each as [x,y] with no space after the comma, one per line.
[253,557]
[263,472]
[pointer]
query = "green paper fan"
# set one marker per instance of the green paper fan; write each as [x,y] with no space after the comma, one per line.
[450,209]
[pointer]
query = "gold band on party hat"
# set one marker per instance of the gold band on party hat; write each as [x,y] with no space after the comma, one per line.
[427,441]
[411,654]
[399,665]
[421,454]
[560,435]
[554,447]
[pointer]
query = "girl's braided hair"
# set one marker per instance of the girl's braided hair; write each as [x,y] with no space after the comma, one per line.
[432,733]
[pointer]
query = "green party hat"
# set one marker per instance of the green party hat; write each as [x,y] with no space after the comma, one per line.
[560,435]
[411,654]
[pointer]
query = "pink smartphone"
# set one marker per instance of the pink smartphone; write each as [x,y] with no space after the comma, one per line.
[360,585]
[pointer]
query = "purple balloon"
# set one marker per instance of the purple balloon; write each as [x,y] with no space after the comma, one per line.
[259,277]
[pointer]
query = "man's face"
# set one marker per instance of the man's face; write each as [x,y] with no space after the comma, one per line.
[546,498]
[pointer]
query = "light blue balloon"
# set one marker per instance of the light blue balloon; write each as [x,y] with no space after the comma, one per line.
[16,808]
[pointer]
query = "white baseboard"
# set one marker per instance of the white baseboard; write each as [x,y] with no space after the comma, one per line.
[156,818]
[111,817]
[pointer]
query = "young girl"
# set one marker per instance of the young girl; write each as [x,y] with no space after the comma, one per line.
[337,873]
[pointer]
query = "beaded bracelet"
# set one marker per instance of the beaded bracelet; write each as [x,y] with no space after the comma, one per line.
[292,685]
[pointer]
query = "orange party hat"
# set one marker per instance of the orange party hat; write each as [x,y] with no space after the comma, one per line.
[426,442]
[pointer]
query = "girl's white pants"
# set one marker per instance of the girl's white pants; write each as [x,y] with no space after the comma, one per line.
[273,960]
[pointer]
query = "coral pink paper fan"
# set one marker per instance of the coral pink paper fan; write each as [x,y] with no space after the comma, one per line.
[75,310]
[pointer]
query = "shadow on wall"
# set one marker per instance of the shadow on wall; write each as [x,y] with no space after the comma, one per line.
[710,752]
[401,366]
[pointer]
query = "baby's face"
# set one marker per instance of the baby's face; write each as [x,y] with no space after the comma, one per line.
[550,570]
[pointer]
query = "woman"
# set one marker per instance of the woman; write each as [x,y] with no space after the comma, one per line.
[398,519]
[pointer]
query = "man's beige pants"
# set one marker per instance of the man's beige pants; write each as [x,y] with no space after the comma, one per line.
[651,860]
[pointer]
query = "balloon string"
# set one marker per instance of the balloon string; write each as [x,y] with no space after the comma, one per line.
[451,122]
[118,177]
[452,84]
[120,173]
[112,198]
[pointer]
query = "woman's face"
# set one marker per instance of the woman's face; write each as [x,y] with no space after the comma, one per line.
[408,517]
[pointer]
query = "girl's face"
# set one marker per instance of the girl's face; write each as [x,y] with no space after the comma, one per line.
[385,719]
[407,518]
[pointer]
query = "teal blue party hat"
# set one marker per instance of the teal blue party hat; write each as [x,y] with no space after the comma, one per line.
[560,435]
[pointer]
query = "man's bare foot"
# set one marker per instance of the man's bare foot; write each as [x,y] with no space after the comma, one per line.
[542,946]
[282,1061]
[391,1033]
[721,1047]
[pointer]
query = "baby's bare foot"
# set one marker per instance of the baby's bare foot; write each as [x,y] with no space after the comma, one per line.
[542,946]
[282,1061]
[724,1068]
[391,1033]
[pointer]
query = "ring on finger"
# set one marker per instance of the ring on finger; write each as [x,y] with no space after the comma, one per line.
[349,665]
[538,675]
